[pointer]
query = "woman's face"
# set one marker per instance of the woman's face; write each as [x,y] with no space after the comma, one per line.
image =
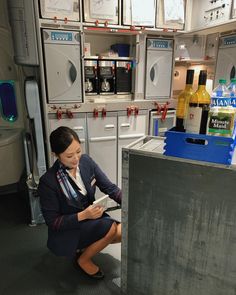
[71,156]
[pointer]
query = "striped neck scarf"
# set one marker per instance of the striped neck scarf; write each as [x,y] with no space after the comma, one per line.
[63,179]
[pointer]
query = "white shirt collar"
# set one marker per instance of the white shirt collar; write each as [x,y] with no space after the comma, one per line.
[78,181]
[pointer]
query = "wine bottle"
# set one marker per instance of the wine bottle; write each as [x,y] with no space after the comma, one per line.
[199,105]
[183,102]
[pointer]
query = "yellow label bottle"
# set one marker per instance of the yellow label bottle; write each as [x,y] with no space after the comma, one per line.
[183,101]
[199,105]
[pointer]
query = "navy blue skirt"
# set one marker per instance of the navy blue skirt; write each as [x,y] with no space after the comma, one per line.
[93,230]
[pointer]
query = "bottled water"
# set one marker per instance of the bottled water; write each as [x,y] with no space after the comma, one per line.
[232,91]
[221,116]
[220,95]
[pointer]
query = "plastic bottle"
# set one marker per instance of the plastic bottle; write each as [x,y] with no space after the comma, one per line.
[221,115]
[232,90]
[183,101]
[199,105]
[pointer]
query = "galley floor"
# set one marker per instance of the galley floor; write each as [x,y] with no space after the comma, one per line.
[28,267]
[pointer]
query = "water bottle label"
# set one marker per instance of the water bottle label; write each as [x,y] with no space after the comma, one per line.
[233,101]
[221,124]
[220,101]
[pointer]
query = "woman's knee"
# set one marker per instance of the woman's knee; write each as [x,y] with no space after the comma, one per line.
[112,231]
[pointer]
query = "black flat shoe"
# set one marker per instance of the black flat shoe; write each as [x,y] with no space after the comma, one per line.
[96,276]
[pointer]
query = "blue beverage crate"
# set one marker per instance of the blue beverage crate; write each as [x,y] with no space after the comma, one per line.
[217,149]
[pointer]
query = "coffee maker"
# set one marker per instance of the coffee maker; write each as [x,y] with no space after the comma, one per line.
[106,76]
[123,77]
[91,77]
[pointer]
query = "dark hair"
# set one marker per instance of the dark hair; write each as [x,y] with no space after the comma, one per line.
[61,138]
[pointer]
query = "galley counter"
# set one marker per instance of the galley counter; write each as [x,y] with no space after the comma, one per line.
[179,224]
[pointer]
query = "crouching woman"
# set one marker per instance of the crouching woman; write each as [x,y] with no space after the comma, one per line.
[67,192]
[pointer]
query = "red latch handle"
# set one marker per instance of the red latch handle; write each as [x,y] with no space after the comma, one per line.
[129,111]
[95,113]
[59,114]
[69,114]
[164,111]
[104,112]
[158,107]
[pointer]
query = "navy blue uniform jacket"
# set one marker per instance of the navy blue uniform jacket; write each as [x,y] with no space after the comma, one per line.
[60,217]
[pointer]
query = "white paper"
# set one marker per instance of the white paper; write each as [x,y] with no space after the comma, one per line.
[59,6]
[101,202]
[174,11]
[103,9]
[143,12]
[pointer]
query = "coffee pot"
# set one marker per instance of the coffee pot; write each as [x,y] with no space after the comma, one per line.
[105,86]
[88,86]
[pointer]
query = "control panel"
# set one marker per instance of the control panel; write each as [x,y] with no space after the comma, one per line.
[210,12]
[229,41]
[61,37]
[159,44]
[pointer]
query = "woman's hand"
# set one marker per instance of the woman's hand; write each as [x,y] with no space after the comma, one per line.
[91,212]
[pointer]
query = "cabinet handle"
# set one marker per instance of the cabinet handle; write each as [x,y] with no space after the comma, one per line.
[82,40]
[125,125]
[104,138]
[111,126]
[138,53]
[131,136]
[79,128]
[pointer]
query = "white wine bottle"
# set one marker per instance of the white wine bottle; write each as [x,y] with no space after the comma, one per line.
[199,105]
[183,102]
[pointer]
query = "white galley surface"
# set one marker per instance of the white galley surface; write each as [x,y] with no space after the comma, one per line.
[143,14]
[174,11]
[103,9]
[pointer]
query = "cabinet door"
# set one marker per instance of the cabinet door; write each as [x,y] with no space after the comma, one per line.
[158,74]
[137,14]
[102,143]
[101,10]
[130,128]
[60,9]
[170,14]
[234,9]
[226,64]
[63,66]
[78,123]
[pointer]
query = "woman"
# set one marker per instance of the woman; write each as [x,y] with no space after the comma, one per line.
[66,194]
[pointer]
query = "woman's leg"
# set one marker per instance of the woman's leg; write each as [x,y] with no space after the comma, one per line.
[117,238]
[85,261]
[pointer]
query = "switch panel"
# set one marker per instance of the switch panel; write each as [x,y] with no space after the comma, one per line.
[211,12]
